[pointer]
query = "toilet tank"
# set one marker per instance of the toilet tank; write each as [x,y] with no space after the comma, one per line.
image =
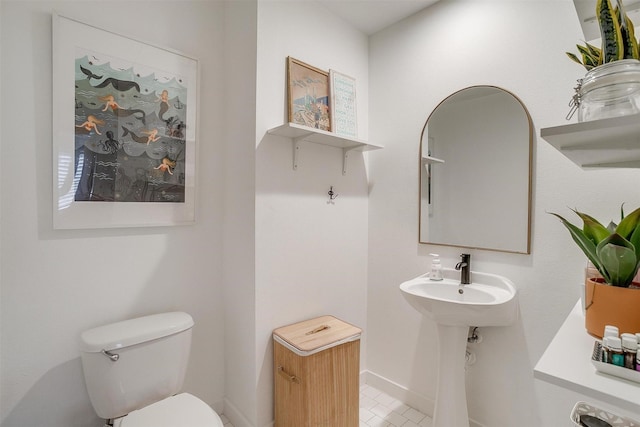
[152,354]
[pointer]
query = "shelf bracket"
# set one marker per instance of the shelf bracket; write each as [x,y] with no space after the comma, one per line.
[345,156]
[296,149]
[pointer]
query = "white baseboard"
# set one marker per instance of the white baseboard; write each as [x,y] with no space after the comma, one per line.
[218,407]
[235,416]
[399,392]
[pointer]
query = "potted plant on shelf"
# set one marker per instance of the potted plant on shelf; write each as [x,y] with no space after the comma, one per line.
[611,86]
[614,298]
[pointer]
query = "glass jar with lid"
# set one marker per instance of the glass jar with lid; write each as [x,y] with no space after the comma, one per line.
[610,90]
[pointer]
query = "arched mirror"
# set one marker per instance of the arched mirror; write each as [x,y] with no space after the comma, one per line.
[475,172]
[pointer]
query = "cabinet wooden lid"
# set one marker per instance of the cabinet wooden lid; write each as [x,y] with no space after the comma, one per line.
[313,335]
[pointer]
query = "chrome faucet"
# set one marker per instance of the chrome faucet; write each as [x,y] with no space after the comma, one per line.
[464,266]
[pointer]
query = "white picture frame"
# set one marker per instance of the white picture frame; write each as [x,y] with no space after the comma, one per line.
[343,104]
[129,160]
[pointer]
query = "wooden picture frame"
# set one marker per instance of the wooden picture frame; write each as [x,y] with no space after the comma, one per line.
[125,154]
[308,95]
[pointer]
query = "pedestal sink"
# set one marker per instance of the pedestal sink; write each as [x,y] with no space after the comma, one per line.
[490,300]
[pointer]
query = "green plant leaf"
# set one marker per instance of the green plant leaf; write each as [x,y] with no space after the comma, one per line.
[612,45]
[574,58]
[627,32]
[629,224]
[635,241]
[595,51]
[596,54]
[589,62]
[588,58]
[618,258]
[584,50]
[629,38]
[592,228]
[585,244]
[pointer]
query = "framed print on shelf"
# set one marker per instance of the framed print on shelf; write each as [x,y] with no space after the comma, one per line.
[124,150]
[343,104]
[308,95]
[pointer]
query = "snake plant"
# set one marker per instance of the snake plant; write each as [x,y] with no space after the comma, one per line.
[618,38]
[613,250]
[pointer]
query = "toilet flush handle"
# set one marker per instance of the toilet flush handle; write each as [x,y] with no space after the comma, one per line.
[114,357]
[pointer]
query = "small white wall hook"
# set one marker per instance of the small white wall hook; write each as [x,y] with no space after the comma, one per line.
[332,195]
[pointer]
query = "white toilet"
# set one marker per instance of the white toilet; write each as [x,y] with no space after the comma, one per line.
[134,372]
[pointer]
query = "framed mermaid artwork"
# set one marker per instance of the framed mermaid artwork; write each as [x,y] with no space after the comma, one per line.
[124,149]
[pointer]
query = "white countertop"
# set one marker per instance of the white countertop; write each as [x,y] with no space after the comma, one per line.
[567,363]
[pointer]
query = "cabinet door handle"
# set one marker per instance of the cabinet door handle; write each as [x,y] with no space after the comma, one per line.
[288,377]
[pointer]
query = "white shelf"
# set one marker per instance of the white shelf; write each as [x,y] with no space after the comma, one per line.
[299,134]
[567,363]
[605,143]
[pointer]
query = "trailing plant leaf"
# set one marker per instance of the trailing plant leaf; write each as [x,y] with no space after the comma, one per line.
[612,45]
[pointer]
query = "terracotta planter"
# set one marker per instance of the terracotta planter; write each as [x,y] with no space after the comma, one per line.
[611,305]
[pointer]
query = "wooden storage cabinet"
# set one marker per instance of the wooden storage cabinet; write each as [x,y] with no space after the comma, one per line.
[316,374]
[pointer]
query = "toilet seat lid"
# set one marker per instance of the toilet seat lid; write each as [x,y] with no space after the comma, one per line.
[183,410]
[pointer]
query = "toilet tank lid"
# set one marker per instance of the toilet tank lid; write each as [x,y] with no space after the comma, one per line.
[134,331]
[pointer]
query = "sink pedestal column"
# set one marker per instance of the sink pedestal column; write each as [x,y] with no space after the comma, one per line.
[451,396]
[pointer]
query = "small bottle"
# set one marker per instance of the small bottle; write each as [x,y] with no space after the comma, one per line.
[630,350]
[616,356]
[628,335]
[605,350]
[436,268]
[610,331]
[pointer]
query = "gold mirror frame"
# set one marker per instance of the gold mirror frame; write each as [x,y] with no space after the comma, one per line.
[521,248]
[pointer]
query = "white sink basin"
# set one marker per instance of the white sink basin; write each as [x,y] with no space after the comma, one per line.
[490,300]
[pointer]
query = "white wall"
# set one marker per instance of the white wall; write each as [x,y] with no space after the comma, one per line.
[56,284]
[517,45]
[311,256]
[239,256]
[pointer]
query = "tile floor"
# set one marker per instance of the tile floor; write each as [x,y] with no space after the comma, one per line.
[378,409]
